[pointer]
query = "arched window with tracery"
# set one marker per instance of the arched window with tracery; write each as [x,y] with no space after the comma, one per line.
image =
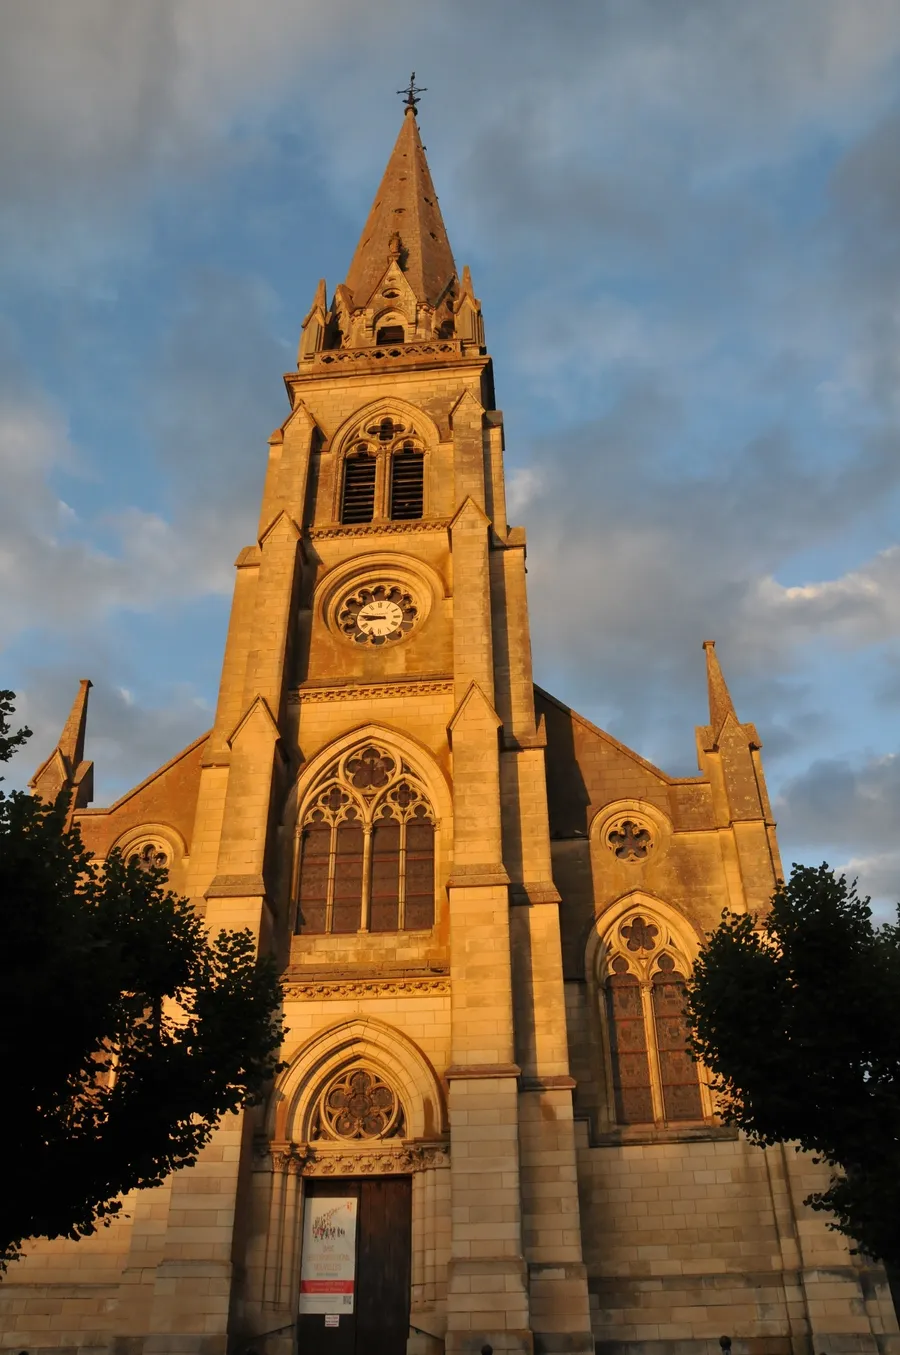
[383,472]
[366,850]
[654,1078]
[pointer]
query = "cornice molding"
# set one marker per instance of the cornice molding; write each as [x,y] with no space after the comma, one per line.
[371,691]
[316,990]
[417,526]
[367,1158]
[475,1072]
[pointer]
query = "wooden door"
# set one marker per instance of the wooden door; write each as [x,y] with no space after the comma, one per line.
[380,1318]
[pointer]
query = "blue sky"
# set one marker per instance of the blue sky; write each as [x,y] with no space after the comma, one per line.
[682,221]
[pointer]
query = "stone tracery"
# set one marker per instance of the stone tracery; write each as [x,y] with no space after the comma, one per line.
[388,452]
[358,1104]
[150,856]
[644,971]
[366,859]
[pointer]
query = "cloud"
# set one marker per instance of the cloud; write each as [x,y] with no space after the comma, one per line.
[860,608]
[53,575]
[847,808]
[849,804]
[667,559]
[127,739]
[684,220]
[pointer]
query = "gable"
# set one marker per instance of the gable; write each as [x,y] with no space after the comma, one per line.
[167,796]
[587,769]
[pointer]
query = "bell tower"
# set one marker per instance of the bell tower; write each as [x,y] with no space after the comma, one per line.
[373,794]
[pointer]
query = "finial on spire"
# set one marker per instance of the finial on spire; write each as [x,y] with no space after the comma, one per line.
[411,93]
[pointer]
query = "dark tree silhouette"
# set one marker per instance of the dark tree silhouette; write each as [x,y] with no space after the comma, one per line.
[797,1015]
[127,1032]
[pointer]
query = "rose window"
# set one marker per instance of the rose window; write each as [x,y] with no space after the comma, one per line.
[629,841]
[360,1105]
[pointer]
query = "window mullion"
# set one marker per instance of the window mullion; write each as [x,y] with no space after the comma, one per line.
[366,877]
[332,865]
[382,487]
[401,885]
[656,1091]
[295,877]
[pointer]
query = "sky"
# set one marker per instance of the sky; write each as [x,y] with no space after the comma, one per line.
[683,223]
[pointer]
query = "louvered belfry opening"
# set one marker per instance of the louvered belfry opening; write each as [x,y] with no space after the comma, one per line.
[358,501]
[407,483]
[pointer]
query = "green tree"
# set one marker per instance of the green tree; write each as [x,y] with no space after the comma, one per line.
[797,1015]
[127,1033]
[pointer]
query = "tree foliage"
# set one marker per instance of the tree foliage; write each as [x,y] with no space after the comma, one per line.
[797,1016]
[127,1032]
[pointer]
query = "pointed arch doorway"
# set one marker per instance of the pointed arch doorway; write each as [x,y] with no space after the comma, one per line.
[355,1266]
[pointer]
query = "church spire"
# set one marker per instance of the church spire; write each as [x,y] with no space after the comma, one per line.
[405,224]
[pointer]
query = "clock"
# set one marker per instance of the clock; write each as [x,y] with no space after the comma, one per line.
[377,615]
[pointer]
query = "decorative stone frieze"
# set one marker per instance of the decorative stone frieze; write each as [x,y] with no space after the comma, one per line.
[380,529]
[405,350]
[371,691]
[360,988]
[324,1159]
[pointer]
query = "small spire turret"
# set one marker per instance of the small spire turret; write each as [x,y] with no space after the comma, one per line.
[720,702]
[65,768]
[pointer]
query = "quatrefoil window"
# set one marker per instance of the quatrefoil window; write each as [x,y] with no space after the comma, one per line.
[359,1105]
[386,430]
[629,841]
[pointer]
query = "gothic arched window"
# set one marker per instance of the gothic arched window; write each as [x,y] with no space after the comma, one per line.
[383,472]
[654,1078]
[366,853]
[407,483]
[358,496]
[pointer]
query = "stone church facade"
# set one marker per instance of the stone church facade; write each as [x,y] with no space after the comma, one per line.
[484,907]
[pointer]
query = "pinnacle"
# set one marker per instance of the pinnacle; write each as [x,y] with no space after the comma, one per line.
[71,742]
[720,702]
[405,222]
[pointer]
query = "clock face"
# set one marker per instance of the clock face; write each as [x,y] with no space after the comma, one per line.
[377,615]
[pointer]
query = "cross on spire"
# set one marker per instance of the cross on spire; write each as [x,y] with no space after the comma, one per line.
[412,91]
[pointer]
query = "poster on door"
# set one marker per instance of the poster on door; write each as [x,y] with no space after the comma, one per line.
[328,1262]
